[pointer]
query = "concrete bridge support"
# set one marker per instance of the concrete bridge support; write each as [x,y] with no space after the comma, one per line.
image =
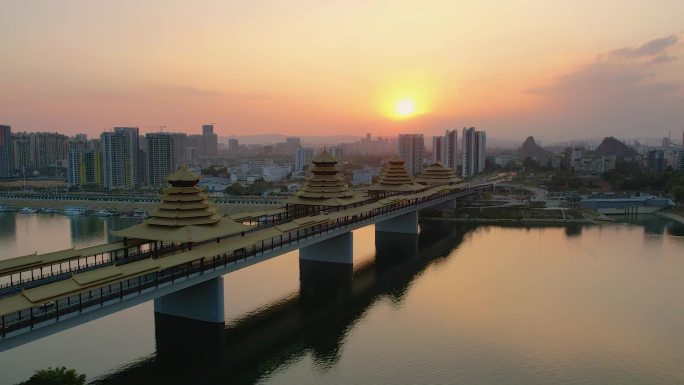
[405,224]
[338,249]
[202,302]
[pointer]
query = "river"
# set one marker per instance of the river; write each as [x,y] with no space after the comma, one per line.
[460,304]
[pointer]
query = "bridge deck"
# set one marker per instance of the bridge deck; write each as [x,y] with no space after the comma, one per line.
[35,261]
[84,289]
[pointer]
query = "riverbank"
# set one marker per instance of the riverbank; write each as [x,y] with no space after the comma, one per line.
[119,207]
[514,215]
[512,221]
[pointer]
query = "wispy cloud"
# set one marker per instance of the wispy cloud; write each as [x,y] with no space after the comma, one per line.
[620,91]
[655,51]
[192,91]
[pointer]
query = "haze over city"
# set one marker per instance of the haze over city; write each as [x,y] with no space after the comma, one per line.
[306,192]
[555,70]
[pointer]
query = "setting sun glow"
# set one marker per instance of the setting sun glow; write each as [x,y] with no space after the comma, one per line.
[405,108]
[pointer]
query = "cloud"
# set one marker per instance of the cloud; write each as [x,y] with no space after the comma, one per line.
[621,92]
[196,92]
[653,49]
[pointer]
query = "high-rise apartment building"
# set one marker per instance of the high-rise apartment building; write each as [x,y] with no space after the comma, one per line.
[197,142]
[337,152]
[474,151]
[21,147]
[94,144]
[120,155]
[132,143]
[303,158]
[679,160]
[6,152]
[412,152]
[451,149]
[438,149]
[233,145]
[46,149]
[161,157]
[192,155]
[210,140]
[84,168]
[78,142]
[181,149]
[656,161]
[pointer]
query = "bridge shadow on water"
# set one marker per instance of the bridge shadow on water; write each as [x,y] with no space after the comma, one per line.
[331,299]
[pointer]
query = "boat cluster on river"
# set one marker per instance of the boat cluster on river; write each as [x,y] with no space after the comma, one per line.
[78,211]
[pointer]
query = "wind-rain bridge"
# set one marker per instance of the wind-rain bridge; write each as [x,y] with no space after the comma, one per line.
[178,256]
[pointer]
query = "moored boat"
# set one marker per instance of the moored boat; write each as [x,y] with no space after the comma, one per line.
[103,213]
[136,214]
[75,210]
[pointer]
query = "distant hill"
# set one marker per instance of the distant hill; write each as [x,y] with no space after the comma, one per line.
[612,146]
[338,139]
[306,140]
[531,149]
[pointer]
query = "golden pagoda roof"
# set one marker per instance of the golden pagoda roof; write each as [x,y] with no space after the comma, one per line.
[394,177]
[183,175]
[184,215]
[324,157]
[436,174]
[326,187]
[185,233]
[179,204]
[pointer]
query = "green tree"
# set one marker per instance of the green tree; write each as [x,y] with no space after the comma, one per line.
[678,193]
[258,187]
[56,376]
[491,166]
[530,163]
[511,165]
[235,189]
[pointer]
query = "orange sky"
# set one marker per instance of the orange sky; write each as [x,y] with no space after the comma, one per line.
[548,69]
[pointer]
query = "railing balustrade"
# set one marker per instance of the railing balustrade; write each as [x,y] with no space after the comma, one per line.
[118,291]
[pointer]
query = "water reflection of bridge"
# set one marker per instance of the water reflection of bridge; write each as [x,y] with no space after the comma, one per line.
[331,299]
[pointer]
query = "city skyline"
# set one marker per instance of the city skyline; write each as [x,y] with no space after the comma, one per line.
[554,71]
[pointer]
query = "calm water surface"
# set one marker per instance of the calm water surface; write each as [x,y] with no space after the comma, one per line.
[459,304]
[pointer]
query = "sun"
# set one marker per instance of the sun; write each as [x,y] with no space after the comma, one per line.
[405,108]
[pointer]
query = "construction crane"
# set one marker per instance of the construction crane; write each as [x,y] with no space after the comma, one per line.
[161,127]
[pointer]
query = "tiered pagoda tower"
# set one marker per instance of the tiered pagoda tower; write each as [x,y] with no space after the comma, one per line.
[185,214]
[325,188]
[394,179]
[437,175]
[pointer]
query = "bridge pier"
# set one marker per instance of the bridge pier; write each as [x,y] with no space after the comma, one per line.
[338,249]
[202,302]
[405,224]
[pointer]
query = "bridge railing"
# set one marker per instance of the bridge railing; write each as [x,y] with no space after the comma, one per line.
[99,297]
[63,270]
